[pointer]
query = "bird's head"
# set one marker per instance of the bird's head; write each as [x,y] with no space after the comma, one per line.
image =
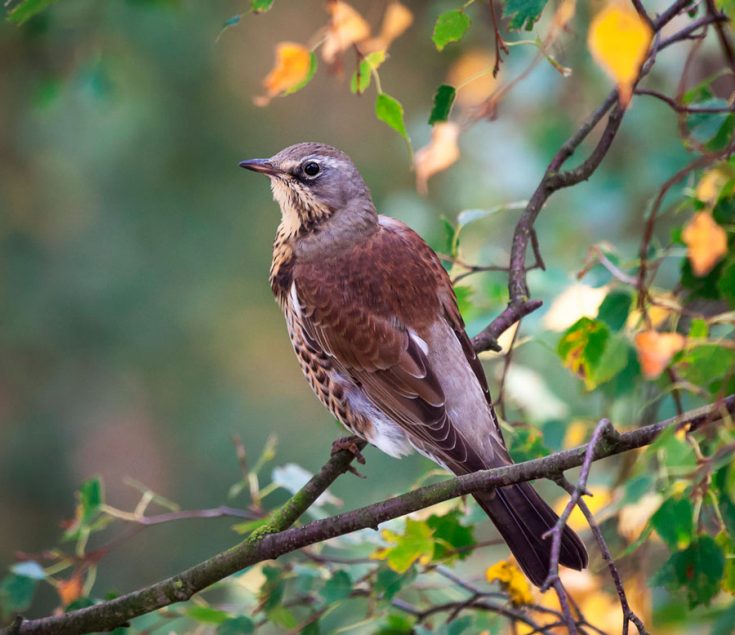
[312,182]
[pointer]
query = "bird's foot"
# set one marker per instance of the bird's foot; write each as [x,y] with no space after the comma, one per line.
[351,445]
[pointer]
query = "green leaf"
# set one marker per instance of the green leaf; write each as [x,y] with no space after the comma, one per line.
[443,100]
[452,538]
[90,498]
[338,587]
[281,616]
[723,624]
[614,309]
[726,283]
[698,328]
[703,127]
[415,543]
[241,625]
[674,522]
[450,244]
[704,286]
[361,78]
[16,593]
[390,111]
[261,6]
[313,65]
[311,629]
[676,452]
[523,13]
[396,624]
[389,582]
[527,444]
[26,10]
[707,365]
[464,298]
[207,614]
[271,591]
[698,570]
[637,487]
[614,359]
[728,549]
[591,351]
[450,26]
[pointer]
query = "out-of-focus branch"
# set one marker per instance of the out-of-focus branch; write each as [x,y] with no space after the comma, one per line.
[274,540]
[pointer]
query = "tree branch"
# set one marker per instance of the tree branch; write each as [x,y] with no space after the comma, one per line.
[275,540]
[519,303]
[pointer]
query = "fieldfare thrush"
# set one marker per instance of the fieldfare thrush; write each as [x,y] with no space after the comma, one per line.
[374,323]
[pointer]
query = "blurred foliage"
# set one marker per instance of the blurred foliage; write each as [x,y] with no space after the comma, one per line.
[138,334]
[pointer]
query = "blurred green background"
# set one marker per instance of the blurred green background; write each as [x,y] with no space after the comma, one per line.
[137,329]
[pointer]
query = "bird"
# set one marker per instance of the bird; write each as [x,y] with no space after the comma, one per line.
[374,323]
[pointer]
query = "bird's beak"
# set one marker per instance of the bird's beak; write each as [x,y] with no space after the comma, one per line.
[264,166]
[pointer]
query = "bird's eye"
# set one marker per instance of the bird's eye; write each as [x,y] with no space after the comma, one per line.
[311,168]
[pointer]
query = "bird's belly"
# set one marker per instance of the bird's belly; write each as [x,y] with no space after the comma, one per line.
[345,399]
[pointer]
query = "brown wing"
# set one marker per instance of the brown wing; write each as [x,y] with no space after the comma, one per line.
[367,309]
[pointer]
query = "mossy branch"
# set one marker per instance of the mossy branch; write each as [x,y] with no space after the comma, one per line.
[278,538]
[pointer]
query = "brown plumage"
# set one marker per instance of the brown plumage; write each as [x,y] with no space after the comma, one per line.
[374,322]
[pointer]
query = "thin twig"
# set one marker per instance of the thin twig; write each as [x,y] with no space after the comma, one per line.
[681,108]
[628,614]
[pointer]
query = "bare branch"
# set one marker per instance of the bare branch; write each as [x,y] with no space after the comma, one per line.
[274,540]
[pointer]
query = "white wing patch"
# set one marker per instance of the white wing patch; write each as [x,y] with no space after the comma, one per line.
[421,343]
[386,435]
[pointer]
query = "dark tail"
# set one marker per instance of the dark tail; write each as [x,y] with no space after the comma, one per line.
[522,517]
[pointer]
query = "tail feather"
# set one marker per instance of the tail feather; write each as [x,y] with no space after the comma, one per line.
[522,517]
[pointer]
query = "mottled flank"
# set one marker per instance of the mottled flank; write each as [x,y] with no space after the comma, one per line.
[375,326]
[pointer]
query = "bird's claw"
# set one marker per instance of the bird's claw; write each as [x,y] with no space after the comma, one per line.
[349,444]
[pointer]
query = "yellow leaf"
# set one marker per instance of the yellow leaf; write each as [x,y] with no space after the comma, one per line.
[634,517]
[618,40]
[576,433]
[441,152]
[655,350]
[706,242]
[472,75]
[710,186]
[576,301]
[396,20]
[346,27]
[512,581]
[293,62]
[600,498]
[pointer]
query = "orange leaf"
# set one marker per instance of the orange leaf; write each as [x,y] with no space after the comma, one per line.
[618,40]
[707,243]
[655,350]
[472,73]
[396,20]
[71,589]
[441,152]
[346,27]
[293,62]
[564,12]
